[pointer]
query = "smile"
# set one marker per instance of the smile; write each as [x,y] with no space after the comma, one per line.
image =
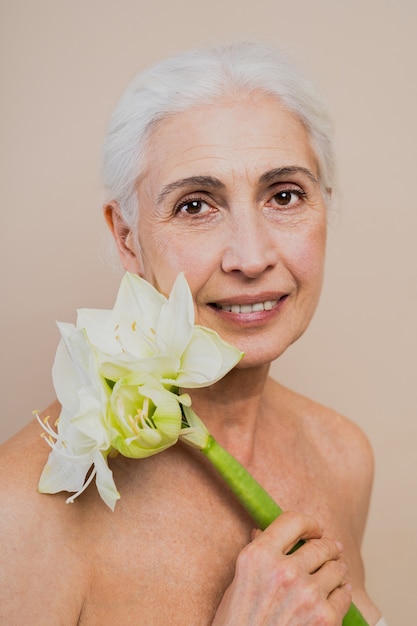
[267,305]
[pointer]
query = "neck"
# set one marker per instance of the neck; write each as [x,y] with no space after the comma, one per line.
[232,408]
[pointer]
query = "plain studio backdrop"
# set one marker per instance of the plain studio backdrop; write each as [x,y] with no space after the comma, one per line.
[64,65]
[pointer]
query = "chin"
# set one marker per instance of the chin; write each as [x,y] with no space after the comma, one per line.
[258,357]
[263,351]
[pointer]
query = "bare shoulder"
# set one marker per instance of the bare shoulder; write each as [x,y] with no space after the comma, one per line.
[338,437]
[341,444]
[36,541]
[21,461]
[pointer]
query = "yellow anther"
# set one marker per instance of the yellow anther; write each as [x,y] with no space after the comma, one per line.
[134,424]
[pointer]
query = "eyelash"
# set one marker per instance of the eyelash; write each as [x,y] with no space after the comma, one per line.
[183,203]
[301,195]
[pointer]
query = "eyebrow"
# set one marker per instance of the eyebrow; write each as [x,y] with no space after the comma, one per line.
[210,182]
[200,181]
[282,172]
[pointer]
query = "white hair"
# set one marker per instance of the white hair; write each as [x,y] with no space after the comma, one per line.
[198,76]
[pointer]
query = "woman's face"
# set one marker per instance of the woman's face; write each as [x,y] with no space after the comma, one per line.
[230,197]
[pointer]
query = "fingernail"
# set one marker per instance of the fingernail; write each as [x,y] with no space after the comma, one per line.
[339,545]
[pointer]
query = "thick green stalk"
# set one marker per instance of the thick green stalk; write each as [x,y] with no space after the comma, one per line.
[257,502]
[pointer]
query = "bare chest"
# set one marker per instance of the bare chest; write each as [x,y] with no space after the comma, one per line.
[168,553]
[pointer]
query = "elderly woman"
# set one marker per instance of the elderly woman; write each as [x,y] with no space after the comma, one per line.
[217,164]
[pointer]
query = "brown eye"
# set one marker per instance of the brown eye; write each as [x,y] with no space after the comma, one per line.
[287,198]
[193,207]
[284,197]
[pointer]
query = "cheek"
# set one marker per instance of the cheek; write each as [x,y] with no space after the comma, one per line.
[166,255]
[308,262]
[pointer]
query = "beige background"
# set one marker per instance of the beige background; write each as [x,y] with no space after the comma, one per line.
[64,64]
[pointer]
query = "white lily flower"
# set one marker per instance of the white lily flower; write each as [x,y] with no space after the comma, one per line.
[147,332]
[118,375]
[82,440]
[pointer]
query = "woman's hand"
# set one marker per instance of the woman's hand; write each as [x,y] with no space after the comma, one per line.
[274,588]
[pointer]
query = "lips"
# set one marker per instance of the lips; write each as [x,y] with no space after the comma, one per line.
[248,307]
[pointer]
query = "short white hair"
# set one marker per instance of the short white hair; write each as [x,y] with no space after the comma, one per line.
[200,76]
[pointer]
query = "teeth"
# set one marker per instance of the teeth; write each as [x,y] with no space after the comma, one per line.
[248,308]
[259,306]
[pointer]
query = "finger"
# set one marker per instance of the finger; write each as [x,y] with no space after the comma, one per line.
[331,576]
[287,530]
[316,552]
[341,598]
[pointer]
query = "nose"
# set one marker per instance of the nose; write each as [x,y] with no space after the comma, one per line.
[251,248]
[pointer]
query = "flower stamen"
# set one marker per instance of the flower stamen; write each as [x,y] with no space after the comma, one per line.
[71,499]
[45,425]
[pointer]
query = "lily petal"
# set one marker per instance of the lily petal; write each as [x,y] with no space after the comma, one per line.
[176,320]
[62,474]
[100,326]
[206,359]
[105,481]
[68,368]
[139,296]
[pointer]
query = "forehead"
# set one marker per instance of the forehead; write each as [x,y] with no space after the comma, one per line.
[251,133]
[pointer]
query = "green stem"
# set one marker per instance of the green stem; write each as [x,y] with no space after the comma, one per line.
[258,503]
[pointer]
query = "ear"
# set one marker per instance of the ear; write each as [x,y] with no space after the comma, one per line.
[129,253]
